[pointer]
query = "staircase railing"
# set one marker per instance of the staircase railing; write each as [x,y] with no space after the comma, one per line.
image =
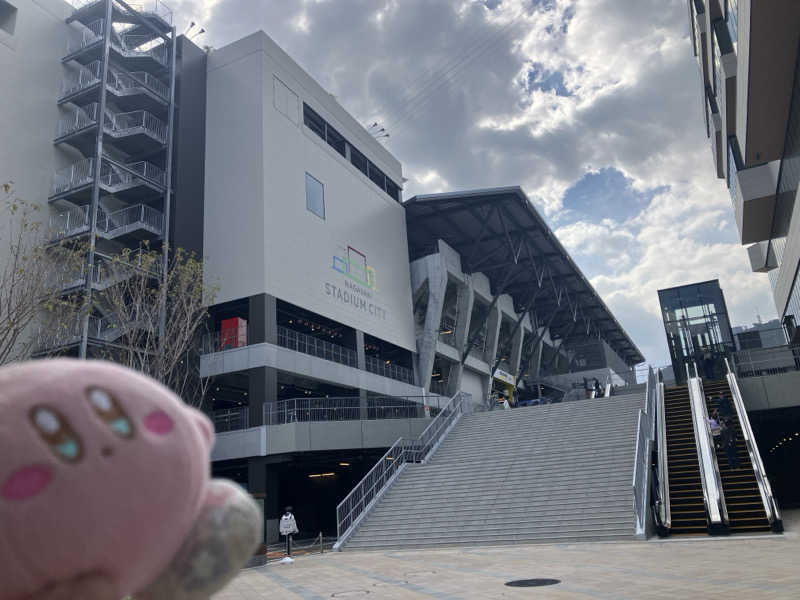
[663,503]
[641,464]
[713,495]
[764,488]
[365,495]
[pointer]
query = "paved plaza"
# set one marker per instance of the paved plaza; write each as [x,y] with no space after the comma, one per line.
[757,567]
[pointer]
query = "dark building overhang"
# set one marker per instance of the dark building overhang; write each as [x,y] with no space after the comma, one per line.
[499,233]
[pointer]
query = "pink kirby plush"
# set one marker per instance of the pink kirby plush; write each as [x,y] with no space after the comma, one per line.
[104,483]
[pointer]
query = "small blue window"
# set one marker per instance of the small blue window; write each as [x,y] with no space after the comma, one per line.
[315,196]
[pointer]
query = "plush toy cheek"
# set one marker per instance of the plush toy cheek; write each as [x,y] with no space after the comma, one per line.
[26,482]
[159,422]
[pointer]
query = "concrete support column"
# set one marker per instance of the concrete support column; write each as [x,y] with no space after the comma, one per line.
[426,343]
[516,349]
[493,334]
[263,323]
[362,364]
[262,389]
[466,298]
[262,483]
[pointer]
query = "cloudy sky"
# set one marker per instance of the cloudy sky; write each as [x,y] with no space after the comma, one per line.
[592,106]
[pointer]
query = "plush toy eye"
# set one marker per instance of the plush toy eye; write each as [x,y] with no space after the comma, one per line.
[56,431]
[110,411]
[46,420]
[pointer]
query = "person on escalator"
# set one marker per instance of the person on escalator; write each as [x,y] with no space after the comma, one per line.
[713,424]
[724,407]
[728,438]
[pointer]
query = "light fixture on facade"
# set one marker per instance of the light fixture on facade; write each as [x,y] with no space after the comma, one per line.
[318,475]
[344,464]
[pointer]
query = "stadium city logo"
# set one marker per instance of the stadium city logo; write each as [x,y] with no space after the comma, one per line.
[359,283]
[353,264]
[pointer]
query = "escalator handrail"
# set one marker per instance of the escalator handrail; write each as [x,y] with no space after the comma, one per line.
[764,488]
[665,513]
[713,496]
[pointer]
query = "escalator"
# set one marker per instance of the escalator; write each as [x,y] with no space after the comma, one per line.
[685,486]
[743,500]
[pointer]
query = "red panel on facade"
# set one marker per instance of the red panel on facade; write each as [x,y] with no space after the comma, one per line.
[233,333]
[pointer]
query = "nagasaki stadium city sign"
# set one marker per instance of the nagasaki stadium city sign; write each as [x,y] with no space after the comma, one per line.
[358,286]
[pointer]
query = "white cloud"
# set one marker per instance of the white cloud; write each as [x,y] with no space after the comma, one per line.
[449,80]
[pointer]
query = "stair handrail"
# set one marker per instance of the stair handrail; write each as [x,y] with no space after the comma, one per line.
[641,461]
[351,511]
[764,487]
[664,510]
[713,494]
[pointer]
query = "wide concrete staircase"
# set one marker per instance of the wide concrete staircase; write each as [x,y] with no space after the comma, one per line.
[553,473]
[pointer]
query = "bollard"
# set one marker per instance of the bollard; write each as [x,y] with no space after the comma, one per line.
[321,549]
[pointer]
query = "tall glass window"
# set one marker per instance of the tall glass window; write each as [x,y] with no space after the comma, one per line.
[697,327]
[732,17]
[732,170]
[719,80]
[315,196]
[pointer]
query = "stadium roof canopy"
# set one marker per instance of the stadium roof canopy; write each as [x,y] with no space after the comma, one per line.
[498,232]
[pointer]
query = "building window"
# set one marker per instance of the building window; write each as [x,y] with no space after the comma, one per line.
[377,176]
[732,16]
[315,196]
[8,17]
[313,121]
[359,160]
[335,140]
[286,101]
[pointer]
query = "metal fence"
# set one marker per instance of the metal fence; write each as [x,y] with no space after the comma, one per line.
[349,408]
[146,7]
[386,369]
[231,419]
[766,361]
[357,504]
[300,342]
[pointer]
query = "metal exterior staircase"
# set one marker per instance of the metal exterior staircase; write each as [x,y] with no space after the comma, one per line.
[560,472]
[742,499]
[685,486]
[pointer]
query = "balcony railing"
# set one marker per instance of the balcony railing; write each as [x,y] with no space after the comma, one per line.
[124,81]
[87,36]
[81,78]
[74,176]
[75,221]
[68,223]
[82,173]
[60,335]
[759,362]
[141,46]
[77,118]
[231,419]
[386,369]
[303,410]
[118,124]
[131,217]
[146,7]
[135,122]
[300,342]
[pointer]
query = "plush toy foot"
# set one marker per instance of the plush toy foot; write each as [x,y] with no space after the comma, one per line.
[224,536]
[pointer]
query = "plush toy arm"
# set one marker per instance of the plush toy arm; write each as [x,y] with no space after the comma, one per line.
[89,587]
[224,536]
